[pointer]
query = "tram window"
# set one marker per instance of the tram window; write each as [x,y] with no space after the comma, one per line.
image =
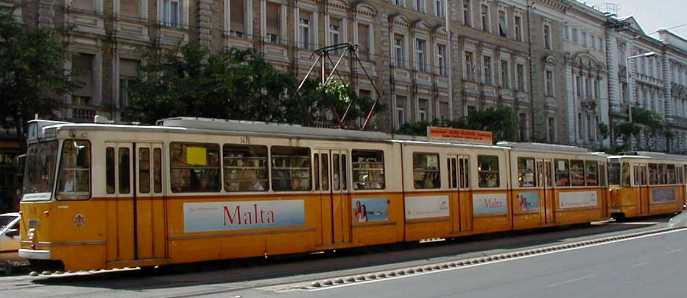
[336,183]
[653,174]
[109,170]
[614,172]
[679,174]
[526,176]
[591,173]
[625,173]
[548,176]
[562,172]
[195,167]
[144,170]
[124,167]
[325,172]
[245,168]
[290,168]
[602,174]
[670,174]
[344,172]
[577,172]
[316,162]
[640,176]
[452,164]
[368,169]
[157,170]
[426,172]
[75,170]
[488,170]
[464,164]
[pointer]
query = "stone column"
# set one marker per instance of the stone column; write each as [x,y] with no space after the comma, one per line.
[205,22]
[667,87]
[613,69]
[570,99]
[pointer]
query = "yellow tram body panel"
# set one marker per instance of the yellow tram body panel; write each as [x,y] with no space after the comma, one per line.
[144,196]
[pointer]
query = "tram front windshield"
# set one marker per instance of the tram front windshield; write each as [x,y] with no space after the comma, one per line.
[39,171]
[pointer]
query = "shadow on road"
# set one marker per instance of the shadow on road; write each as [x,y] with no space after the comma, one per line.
[257,271]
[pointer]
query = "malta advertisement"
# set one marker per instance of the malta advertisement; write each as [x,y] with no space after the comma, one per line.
[370,210]
[578,199]
[489,204]
[662,195]
[528,201]
[242,215]
[427,207]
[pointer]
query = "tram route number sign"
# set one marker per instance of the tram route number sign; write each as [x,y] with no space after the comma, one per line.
[577,199]
[466,135]
[662,195]
[242,215]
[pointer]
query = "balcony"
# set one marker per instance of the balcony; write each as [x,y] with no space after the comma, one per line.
[132,28]
[86,21]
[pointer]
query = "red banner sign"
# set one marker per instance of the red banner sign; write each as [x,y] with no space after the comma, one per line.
[468,135]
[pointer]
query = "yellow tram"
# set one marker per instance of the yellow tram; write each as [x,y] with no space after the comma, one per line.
[187,190]
[646,183]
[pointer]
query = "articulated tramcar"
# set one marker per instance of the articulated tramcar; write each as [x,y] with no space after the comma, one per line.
[646,183]
[188,190]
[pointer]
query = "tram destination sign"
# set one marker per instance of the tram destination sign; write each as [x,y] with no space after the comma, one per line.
[242,215]
[463,135]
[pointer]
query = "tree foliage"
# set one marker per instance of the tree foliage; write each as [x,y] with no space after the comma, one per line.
[237,84]
[498,120]
[643,120]
[32,64]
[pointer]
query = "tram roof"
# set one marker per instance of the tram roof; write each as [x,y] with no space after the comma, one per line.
[650,155]
[541,147]
[253,128]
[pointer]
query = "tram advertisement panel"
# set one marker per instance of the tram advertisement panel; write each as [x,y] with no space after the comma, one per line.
[370,210]
[489,204]
[426,207]
[528,201]
[232,216]
[662,195]
[577,199]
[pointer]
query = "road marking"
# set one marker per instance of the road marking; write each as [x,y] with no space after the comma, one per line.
[638,223]
[641,264]
[569,281]
[303,285]
[670,252]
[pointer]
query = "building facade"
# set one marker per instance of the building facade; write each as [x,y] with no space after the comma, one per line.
[646,72]
[559,64]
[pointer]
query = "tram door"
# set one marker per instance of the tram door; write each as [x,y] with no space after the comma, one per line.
[458,171]
[332,180]
[642,189]
[136,213]
[544,168]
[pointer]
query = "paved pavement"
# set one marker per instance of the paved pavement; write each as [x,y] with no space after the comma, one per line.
[631,267]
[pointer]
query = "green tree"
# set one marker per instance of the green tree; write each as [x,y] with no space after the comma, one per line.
[189,81]
[643,120]
[237,84]
[32,72]
[498,120]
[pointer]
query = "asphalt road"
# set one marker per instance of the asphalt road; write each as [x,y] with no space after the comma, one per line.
[648,267]
[644,267]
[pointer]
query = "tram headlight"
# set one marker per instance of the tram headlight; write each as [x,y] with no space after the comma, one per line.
[31,234]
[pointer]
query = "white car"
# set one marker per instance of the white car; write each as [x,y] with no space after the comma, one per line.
[9,237]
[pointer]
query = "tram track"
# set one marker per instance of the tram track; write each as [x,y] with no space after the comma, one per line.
[458,264]
[292,276]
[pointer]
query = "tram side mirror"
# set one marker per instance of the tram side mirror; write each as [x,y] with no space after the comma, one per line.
[12,232]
